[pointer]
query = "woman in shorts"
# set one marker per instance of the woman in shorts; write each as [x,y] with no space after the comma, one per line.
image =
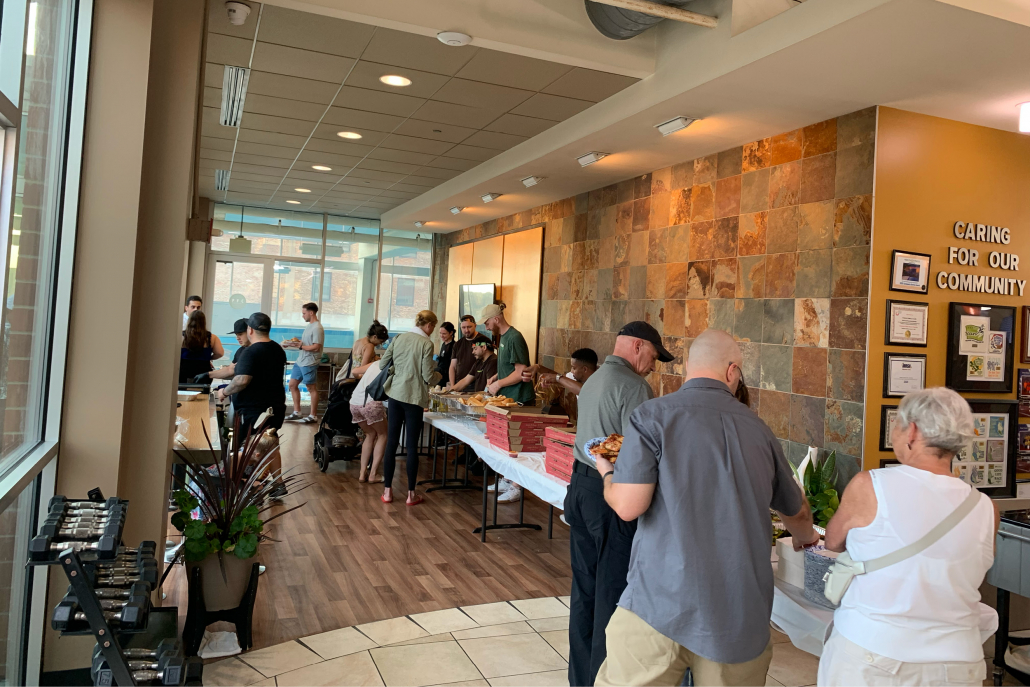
[370,416]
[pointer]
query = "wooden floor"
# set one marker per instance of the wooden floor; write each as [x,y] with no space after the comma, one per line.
[347,558]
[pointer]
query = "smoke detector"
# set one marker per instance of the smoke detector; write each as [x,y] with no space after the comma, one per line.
[238,12]
[454,38]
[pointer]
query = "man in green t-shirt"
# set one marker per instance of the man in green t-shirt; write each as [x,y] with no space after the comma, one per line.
[512,357]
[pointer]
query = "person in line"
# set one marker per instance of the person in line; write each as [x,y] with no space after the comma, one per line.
[370,415]
[462,359]
[407,388]
[918,621]
[443,358]
[697,598]
[192,303]
[584,364]
[199,348]
[483,371]
[599,542]
[306,367]
[239,330]
[258,386]
[364,349]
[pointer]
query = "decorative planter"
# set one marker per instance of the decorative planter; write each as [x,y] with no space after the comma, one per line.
[220,593]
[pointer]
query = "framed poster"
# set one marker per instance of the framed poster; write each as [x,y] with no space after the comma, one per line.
[1024,349]
[981,339]
[906,323]
[910,272]
[888,416]
[988,462]
[903,373]
[889,462]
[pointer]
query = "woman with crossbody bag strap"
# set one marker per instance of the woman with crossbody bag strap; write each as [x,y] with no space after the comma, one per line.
[914,617]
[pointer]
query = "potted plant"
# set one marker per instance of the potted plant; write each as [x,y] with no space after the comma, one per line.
[816,478]
[220,512]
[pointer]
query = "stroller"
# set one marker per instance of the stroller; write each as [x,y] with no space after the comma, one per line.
[337,436]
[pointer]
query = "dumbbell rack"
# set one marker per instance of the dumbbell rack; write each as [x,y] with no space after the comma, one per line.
[80,565]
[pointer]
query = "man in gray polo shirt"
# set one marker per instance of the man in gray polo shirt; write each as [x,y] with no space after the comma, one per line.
[599,541]
[700,471]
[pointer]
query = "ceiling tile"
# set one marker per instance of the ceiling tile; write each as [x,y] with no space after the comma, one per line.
[272,138]
[423,84]
[314,32]
[264,149]
[240,176]
[445,162]
[368,136]
[400,156]
[438,173]
[403,49]
[263,170]
[516,71]
[411,187]
[304,172]
[418,145]
[337,147]
[210,126]
[387,166]
[280,59]
[519,126]
[459,115]
[280,107]
[552,107]
[435,131]
[262,160]
[281,125]
[315,157]
[363,173]
[467,152]
[291,87]
[224,50]
[484,95]
[252,186]
[493,139]
[588,84]
[216,143]
[359,120]
[377,101]
[430,182]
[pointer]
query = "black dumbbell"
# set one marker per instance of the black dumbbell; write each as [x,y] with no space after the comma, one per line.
[122,580]
[135,589]
[58,512]
[145,548]
[77,533]
[69,609]
[160,662]
[171,674]
[62,502]
[83,521]
[131,616]
[96,516]
[165,646]
[42,546]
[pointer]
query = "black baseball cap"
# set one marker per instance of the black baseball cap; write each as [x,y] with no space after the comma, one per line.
[239,326]
[642,330]
[260,322]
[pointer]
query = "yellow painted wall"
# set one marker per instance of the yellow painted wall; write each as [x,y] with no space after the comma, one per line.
[930,173]
[459,271]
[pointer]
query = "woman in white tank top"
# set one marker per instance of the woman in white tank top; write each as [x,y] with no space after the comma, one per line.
[916,622]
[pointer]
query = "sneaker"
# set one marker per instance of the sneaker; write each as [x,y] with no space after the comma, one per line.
[513,494]
[278,492]
[294,417]
[505,485]
[308,420]
[562,518]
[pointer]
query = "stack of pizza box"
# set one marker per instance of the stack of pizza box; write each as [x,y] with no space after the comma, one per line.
[559,443]
[519,430]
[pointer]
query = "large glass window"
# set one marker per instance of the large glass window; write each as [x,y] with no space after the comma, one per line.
[348,297]
[404,281]
[17,525]
[268,232]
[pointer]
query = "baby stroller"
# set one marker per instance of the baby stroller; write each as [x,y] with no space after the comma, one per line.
[337,436]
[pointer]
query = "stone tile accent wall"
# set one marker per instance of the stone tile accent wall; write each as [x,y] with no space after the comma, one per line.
[768,241]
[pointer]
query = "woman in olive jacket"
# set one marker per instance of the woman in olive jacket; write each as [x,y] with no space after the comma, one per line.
[407,390]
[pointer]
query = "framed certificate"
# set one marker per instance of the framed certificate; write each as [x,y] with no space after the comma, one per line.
[1024,350]
[888,416]
[906,323]
[981,347]
[910,271]
[902,374]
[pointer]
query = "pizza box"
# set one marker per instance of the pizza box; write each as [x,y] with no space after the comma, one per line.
[559,449]
[528,414]
[564,435]
[552,469]
[564,462]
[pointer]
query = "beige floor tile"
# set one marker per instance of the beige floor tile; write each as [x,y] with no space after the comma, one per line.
[438,622]
[778,637]
[467,683]
[548,624]
[552,678]
[772,682]
[493,614]
[229,673]
[494,631]
[567,600]
[424,664]
[336,643]
[355,670]
[547,607]
[512,655]
[280,658]
[559,641]
[431,639]
[267,682]
[392,631]
[793,667]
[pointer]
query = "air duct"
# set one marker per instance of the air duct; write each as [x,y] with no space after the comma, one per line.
[621,24]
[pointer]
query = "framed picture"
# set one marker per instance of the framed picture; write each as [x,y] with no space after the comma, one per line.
[981,339]
[988,462]
[1024,349]
[910,272]
[889,462]
[888,416]
[906,323]
[903,373]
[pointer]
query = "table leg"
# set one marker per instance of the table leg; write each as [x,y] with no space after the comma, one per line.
[486,481]
[497,493]
[1001,637]
[451,484]
[436,451]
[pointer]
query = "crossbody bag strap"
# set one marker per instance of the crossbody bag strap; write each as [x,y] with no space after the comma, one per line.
[928,539]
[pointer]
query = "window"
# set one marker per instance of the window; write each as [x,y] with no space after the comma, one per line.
[17,525]
[268,232]
[327,287]
[405,292]
[404,280]
[351,271]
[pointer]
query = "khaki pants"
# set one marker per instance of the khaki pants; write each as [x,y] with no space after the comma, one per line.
[845,663]
[640,655]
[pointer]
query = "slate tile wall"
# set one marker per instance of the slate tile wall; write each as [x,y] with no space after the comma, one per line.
[768,241]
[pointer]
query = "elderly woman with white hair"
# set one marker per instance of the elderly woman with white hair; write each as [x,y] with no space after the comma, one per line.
[916,621]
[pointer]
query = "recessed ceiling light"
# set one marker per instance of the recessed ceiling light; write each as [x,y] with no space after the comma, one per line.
[322,168]
[456,209]
[590,158]
[674,125]
[352,135]
[395,80]
[1024,118]
[487,197]
[293,202]
[302,190]
[420,224]
[531,181]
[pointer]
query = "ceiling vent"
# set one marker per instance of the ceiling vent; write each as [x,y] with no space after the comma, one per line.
[621,24]
[234,93]
[221,180]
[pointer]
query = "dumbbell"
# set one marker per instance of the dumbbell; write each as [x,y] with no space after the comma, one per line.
[171,674]
[119,577]
[165,646]
[161,662]
[64,502]
[133,615]
[113,528]
[135,589]
[145,548]
[42,546]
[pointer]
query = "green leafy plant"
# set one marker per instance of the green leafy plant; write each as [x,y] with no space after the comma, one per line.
[817,479]
[231,499]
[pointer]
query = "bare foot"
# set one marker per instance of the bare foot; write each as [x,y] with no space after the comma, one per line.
[414,498]
[362,479]
[375,480]
[387,496]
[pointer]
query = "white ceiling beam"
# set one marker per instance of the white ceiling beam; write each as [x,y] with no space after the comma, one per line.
[655,9]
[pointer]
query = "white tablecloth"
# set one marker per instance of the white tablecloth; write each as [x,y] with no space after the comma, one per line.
[806,623]
[526,469]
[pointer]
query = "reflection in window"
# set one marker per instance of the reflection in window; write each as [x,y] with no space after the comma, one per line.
[348,296]
[404,280]
[16,528]
[268,232]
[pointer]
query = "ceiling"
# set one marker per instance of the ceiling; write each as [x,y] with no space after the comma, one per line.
[314,76]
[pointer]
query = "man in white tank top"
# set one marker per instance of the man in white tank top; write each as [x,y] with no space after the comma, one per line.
[918,621]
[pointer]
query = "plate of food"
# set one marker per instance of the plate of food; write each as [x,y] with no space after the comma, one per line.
[607,447]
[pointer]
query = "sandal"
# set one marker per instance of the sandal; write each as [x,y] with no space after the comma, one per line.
[386,500]
[418,500]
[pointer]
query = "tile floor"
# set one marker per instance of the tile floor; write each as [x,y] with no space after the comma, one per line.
[507,644]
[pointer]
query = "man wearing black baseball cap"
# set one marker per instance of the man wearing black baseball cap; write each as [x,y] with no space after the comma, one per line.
[258,378]
[239,329]
[600,542]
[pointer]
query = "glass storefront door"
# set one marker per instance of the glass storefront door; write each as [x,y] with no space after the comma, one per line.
[237,288]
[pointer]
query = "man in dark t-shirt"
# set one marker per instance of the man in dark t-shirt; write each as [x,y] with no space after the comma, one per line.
[484,369]
[462,359]
[239,330]
[258,379]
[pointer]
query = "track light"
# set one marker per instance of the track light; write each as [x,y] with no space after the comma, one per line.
[1024,118]
[531,181]
[488,197]
[420,224]
[456,209]
[590,158]
[674,125]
